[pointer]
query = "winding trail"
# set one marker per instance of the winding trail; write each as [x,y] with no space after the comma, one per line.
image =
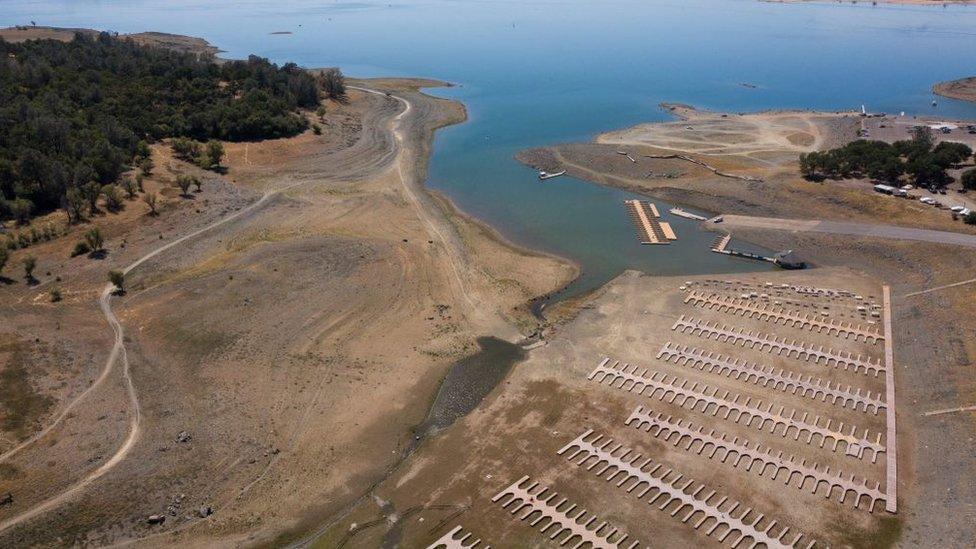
[118,353]
[439,228]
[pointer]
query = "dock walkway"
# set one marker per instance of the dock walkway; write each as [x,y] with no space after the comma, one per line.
[646,219]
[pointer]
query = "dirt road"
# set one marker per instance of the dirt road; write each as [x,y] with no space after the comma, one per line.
[117,354]
[840,227]
[330,291]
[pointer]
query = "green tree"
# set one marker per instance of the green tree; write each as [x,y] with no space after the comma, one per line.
[146,166]
[922,137]
[55,295]
[113,198]
[185,149]
[65,124]
[142,150]
[968,179]
[4,257]
[970,218]
[74,204]
[29,263]
[333,84]
[20,209]
[948,153]
[129,186]
[184,182]
[92,190]
[150,200]
[94,239]
[215,153]
[118,280]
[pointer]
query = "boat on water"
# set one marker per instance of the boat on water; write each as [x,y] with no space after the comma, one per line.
[543,175]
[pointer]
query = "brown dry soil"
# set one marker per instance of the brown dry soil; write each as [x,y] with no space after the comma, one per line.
[548,401]
[297,345]
[934,348]
[963,88]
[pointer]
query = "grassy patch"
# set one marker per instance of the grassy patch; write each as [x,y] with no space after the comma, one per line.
[20,404]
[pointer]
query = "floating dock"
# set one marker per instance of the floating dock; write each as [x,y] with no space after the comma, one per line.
[785,259]
[646,219]
[687,215]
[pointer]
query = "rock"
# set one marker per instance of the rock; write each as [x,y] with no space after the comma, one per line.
[156,519]
[205,511]
[7,499]
[183,437]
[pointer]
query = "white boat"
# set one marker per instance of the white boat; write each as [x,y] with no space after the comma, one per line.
[543,175]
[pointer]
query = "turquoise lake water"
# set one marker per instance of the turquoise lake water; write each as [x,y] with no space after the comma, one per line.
[536,73]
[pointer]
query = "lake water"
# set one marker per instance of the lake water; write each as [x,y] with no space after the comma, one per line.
[535,73]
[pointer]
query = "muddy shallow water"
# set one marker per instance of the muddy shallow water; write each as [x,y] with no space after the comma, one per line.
[468,381]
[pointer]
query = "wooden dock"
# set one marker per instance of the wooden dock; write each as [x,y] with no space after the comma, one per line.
[647,221]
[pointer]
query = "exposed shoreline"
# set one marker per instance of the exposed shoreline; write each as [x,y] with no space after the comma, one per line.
[963,89]
[411,282]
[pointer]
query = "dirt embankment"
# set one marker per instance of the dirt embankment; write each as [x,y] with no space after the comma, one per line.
[281,359]
[964,89]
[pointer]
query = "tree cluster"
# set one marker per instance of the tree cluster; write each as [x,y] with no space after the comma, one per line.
[75,115]
[918,159]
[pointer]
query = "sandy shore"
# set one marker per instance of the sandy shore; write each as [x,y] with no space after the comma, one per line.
[295,346]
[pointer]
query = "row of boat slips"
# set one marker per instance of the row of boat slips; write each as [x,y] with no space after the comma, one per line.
[647,221]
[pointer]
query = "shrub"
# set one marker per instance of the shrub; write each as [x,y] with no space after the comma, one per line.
[184,182]
[129,186]
[29,263]
[81,248]
[150,200]
[94,239]
[113,198]
[118,279]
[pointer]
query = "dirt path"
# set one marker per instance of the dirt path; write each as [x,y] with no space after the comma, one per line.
[841,227]
[387,143]
[118,353]
[451,245]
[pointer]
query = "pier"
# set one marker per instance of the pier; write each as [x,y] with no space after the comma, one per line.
[646,219]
